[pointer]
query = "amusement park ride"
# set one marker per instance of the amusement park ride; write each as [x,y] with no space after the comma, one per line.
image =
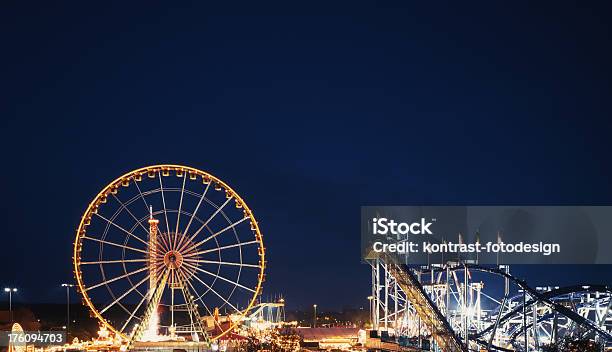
[169,253]
[464,306]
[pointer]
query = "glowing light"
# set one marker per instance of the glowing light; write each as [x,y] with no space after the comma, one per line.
[151,333]
[152,330]
[103,333]
[469,311]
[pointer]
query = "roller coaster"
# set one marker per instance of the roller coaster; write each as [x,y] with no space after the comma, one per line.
[463,306]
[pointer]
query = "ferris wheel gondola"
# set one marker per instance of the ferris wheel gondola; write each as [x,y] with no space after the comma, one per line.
[169,249]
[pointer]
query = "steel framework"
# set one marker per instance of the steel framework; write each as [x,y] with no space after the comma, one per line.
[485,307]
[162,249]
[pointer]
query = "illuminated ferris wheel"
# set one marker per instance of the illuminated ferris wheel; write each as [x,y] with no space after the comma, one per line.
[169,250]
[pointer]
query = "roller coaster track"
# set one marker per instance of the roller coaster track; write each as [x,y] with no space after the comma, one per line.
[428,312]
[448,340]
[546,298]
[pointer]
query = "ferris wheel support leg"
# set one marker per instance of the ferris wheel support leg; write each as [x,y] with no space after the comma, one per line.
[193,309]
[172,306]
[149,311]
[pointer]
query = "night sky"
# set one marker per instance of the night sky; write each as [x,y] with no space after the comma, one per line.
[309,110]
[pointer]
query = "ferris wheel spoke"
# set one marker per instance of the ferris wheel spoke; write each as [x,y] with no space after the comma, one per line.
[116,278]
[114,244]
[123,206]
[142,300]
[161,187]
[141,195]
[147,294]
[193,214]
[221,248]
[144,297]
[216,293]
[164,242]
[185,292]
[201,300]
[189,271]
[202,225]
[115,261]
[125,294]
[178,214]
[222,263]
[231,226]
[207,221]
[183,279]
[122,229]
[220,277]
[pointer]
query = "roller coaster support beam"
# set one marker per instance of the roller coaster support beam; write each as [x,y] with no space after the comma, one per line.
[427,311]
[501,309]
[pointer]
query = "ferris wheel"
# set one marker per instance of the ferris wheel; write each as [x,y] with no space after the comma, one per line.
[169,249]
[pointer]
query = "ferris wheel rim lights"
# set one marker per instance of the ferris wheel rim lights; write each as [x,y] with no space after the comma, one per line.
[163,170]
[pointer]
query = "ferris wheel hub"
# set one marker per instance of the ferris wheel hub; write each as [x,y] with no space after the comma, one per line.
[173,259]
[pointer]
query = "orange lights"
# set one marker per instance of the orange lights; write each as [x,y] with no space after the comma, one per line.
[174,260]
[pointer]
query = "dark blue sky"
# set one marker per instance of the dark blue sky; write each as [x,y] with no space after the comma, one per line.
[309,110]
